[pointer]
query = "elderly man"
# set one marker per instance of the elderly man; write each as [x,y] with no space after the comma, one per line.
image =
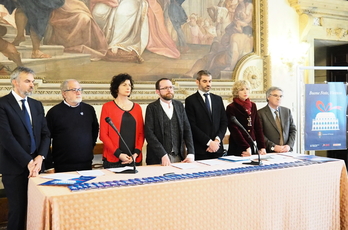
[74,130]
[278,125]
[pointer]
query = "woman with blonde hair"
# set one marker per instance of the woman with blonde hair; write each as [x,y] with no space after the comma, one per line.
[245,112]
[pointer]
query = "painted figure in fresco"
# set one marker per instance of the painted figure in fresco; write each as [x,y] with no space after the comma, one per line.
[178,17]
[239,45]
[160,42]
[8,49]
[73,27]
[125,28]
[192,31]
[236,42]
[32,16]
[222,15]
[209,31]
[133,26]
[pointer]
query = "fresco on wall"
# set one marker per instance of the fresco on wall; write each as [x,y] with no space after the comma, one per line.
[92,40]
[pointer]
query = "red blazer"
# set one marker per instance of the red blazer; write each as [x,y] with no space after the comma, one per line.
[110,138]
[239,140]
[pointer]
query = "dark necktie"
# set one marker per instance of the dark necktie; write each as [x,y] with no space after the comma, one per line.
[207,103]
[29,127]
[279,126]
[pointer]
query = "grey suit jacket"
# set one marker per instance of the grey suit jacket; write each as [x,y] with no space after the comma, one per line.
[270,131]
[154,132]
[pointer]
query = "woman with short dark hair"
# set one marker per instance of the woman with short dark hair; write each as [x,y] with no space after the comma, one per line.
[127,116]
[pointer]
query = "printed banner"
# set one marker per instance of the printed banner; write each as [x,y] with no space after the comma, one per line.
[325,116]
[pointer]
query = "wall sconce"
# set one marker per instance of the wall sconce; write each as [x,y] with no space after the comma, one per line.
[294,54]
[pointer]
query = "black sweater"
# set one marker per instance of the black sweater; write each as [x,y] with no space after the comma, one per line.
[74,131]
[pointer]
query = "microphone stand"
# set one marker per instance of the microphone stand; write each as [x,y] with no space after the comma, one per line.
[134,170]
[252,144]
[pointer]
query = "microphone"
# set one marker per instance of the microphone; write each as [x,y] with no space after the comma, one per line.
[109,121]
[254,147]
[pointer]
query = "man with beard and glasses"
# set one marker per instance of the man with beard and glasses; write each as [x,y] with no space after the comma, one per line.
[24,140]
[74,131]
[207,116]
[167,129]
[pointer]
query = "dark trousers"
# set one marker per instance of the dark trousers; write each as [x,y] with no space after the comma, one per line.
[72,167]
[16,189]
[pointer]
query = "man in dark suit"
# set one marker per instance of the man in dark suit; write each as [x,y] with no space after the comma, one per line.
[279,138]
[167,129]
[207,116]
[24,140]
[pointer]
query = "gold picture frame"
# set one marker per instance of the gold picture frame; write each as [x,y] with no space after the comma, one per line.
[95,79]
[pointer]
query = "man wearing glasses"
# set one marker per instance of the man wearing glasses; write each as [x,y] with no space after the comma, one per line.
[74,130]
[278,125]
[167,129]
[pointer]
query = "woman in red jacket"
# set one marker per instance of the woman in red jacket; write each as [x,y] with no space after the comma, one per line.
[245,112]
[127,116]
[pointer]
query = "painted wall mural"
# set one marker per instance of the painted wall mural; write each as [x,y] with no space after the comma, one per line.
[92,40]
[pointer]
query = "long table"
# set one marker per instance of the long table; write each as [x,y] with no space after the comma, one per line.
[305,197]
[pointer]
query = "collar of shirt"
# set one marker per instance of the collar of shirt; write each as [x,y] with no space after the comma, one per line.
[72,106]
[202,94]
[273,110]
[19,98]
[168,108]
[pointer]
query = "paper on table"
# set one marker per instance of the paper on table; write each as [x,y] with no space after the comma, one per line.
[272,157]
[91,173]
[291,154]
[60,176]
[121,169]
[184,165]
[262,157]
[315,158]
[235,158]
[211,162]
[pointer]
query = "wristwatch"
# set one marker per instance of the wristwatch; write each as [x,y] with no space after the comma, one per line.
[272,148]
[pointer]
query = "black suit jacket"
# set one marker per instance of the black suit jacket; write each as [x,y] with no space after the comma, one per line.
[270,130]
[14,136]
[154,132]
[206,126]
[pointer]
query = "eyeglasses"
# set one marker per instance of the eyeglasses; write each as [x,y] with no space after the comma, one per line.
[277,96]
[168,87]
[74,90]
